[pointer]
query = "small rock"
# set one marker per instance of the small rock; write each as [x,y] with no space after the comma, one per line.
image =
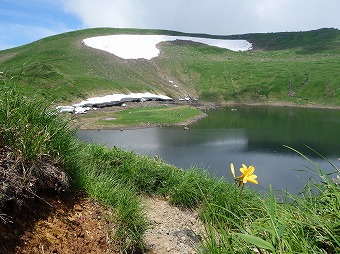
[191,234]
[78,208]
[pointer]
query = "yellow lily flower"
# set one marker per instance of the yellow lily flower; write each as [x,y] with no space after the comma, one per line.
[247,175]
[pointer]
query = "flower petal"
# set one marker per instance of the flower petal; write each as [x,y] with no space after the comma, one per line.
[232,169]
[243,169]
[251,170]
[252,179]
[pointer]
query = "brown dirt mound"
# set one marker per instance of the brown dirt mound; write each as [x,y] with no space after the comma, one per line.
[68,223]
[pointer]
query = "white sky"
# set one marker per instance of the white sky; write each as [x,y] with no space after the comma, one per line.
[24,21]
[214,16]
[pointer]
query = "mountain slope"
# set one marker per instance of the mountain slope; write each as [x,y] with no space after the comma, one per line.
[300,67]
[316,41]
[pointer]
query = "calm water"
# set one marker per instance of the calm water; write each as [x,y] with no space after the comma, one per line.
[250,135]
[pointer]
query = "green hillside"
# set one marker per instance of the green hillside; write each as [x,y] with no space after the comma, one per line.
[292,67]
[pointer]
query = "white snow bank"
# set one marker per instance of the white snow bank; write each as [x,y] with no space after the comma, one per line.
[120,98]
[130,46]
[110,100]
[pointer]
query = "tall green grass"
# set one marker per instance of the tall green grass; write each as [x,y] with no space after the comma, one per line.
[109,170]
[35,147]
[95,174]
[30,128]
[304,223]
[44,148]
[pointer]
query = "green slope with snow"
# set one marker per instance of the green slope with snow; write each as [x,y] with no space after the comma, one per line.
[300,67]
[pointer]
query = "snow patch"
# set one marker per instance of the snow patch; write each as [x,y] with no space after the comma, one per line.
[110,100]
[133,46]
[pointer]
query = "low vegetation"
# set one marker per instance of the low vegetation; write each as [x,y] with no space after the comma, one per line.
[39,153]
[160,115]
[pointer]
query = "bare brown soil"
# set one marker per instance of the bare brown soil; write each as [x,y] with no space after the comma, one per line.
[64,223]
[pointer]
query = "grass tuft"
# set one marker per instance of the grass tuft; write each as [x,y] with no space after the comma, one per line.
[35,147]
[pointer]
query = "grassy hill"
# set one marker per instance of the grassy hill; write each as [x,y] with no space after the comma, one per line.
[292,67]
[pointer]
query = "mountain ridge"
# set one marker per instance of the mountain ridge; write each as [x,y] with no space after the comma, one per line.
[281,67]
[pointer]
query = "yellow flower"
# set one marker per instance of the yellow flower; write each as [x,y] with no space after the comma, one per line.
[247,174]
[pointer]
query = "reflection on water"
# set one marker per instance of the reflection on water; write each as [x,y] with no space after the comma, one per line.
[250,135]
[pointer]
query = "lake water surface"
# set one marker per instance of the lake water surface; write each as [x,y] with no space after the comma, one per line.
[250,135]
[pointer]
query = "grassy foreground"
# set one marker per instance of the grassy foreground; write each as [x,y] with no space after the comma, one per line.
[236,221]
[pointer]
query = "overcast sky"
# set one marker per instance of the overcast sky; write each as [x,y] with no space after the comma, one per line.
[24,21]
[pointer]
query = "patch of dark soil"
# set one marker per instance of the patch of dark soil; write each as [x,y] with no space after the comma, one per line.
[64,223]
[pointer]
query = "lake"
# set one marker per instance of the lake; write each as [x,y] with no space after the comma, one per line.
[249,135]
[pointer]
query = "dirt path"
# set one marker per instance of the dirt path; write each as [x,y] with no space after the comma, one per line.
[172,230]
[77,224]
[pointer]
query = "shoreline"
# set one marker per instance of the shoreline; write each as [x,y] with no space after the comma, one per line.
[218,105]
[206,106]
